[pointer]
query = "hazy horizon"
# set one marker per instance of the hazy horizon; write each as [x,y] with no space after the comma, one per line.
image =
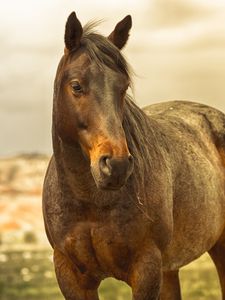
[176,47]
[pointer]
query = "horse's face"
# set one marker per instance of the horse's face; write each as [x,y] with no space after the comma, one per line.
[91,109]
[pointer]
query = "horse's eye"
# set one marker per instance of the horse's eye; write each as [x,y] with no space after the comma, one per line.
[76,87]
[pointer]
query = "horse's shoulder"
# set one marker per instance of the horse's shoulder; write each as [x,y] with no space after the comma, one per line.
[50,183]
[51,171]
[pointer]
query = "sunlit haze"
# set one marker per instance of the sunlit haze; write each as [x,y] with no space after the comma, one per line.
[176,48]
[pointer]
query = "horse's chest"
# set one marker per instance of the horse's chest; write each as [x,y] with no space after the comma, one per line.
[101,248]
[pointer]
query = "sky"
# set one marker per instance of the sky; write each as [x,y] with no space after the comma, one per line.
[176,48]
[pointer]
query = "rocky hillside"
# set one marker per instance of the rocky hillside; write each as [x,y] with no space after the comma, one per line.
[21,180]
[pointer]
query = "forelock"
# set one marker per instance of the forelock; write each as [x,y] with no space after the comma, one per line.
[102,51]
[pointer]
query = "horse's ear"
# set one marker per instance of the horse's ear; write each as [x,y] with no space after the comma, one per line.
[73,32]
[120,34]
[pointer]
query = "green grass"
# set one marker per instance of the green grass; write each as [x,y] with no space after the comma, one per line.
[199,280]
[29,275]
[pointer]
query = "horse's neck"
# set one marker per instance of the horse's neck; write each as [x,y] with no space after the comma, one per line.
[73,169]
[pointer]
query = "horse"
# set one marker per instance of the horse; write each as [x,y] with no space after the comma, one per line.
[129,193]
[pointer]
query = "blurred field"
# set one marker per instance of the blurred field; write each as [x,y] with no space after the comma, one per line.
[29,275]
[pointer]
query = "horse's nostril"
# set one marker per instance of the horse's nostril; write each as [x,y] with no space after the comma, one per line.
[104,164]
[104,160]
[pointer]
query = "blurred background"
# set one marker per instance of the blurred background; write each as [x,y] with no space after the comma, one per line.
[177,50]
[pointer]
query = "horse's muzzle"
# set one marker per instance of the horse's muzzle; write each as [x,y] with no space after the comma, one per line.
[113,172]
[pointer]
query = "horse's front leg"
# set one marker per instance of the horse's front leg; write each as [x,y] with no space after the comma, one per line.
[146,275]
[171,286]
[70,284]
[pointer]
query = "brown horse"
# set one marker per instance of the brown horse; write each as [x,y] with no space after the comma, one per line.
[129,193]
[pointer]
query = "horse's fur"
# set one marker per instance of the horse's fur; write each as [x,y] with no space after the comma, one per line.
[169,212]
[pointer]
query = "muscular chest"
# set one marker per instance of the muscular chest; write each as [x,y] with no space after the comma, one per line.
[104,248]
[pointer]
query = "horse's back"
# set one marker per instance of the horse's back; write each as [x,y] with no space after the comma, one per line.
[195,137]
[192,113]
[202,120]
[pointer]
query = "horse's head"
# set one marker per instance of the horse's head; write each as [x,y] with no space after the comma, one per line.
[90,89]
